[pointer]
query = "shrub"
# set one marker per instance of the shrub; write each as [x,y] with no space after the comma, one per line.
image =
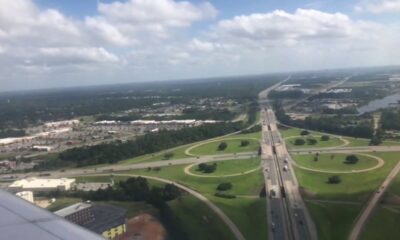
[168,155]
[244,143]
[207,168]
[334,180]
[224,186]
[311,141]
[351,159]
[299,141]
[325,138]
[222,146]
[304,133]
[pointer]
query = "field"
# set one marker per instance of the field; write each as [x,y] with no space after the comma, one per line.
[197,221]
[384,224]
[180,152]
[355,186]
[333,220]
[334,162]
[332,142]
[233,146]
[229,167]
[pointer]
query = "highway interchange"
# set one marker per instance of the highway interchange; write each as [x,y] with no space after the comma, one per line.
[287,215]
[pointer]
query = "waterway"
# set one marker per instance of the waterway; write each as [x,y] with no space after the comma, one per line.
[380,103]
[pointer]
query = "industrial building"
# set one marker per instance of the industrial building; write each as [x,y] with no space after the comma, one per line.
[104,219]
[41,184]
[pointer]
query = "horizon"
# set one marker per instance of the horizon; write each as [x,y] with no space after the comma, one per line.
[47,44]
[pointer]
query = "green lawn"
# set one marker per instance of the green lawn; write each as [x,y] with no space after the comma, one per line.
[247,213]
[62,203]
[332,142]
[244,211]
[333,220]
[384,224]
[334,162]
[230,167]
[233,146]
[197,221]
[354,186]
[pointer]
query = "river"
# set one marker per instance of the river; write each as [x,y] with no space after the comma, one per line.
[380,103]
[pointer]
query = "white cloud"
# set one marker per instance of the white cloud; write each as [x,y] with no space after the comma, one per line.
[378,6]
[77,55]
[282,26]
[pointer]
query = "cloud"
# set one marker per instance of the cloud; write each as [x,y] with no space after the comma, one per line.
[151,17]
[283,26]
[378,6]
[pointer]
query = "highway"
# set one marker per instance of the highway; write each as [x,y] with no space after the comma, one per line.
[287,215]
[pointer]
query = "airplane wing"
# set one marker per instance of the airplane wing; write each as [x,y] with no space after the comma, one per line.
[20,220]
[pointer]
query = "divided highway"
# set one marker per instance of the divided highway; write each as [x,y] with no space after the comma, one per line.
[287,215]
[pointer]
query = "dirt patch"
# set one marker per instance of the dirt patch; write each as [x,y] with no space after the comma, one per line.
[144,227]
[307,194]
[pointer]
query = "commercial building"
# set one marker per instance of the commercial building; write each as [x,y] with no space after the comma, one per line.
[107,220]
[41,184]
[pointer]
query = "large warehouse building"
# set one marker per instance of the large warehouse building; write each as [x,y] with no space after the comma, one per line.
[42,185]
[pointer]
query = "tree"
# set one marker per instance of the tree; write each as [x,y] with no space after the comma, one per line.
[334,180]
[311,141]
[244,143]
[168,155]
[224,186]
[299,141]
[351,159]
[325,138]
[207,168]
[375,140]
[222,146]
[304,133]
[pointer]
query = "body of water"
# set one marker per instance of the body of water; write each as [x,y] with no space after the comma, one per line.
[380,103]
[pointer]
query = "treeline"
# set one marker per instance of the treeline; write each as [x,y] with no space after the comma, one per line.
[390,119]
[11,133]
[335,125]
[291,94]
[149,143]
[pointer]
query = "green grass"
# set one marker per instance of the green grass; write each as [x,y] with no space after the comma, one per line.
[62,203]
[230,167]
[197,221]
[243,211]
[247,213]
[333,220]
[354,186]
[211,148]
[179,152]
[334,162]
[384,224]
[332,142]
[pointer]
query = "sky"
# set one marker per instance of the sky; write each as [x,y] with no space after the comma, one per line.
[59,43]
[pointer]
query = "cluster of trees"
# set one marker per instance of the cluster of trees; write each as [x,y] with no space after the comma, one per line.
[325,138]
[207,168]
[222,146]
[390,119]
[291,94]
[336,125]
[225,186]
[301,141]
[133,189]
[244,143]
[334,180]
[351,159]
[150,143]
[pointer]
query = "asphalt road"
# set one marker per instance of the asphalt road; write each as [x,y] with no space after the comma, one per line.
[287,214]
[374,200]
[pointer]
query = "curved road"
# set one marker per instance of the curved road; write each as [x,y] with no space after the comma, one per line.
[380,161]
[235,230]
[188,172]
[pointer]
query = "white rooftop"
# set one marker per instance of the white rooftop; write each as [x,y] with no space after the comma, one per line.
[32,183]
